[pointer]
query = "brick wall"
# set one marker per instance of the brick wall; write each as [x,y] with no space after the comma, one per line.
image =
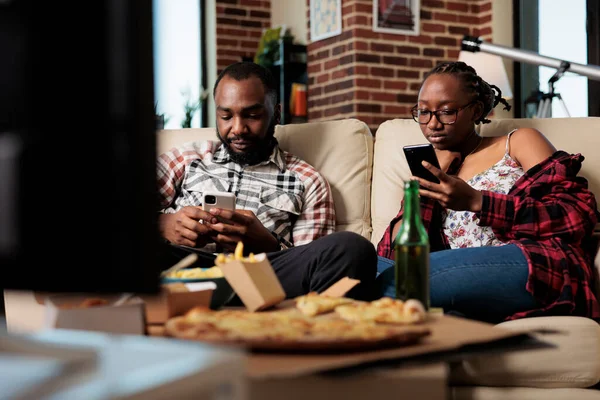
[375,76]
[239,28]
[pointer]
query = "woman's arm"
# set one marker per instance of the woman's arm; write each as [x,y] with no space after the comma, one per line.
[551,202]
[529,147]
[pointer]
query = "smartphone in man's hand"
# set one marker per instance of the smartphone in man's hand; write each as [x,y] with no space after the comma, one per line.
[224,200]
[417,153]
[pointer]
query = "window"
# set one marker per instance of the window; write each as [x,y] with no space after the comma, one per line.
[566,31]
[562,35]
[178,65]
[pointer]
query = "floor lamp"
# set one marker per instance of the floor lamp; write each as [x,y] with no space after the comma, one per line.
[474,45]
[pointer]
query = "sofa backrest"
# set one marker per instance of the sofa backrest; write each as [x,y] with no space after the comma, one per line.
[574,135]
[341,150]
[168,138]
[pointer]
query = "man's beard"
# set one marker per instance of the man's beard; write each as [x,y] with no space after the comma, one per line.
[261,151]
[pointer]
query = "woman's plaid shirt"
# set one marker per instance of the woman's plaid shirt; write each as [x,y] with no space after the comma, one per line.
[289,197]
[550,214]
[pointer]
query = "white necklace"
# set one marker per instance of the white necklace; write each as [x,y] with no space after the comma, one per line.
[472,151]
[476,147]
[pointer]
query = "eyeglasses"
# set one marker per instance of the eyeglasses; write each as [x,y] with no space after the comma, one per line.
[445,117]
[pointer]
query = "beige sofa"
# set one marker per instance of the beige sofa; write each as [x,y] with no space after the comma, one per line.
[364,175]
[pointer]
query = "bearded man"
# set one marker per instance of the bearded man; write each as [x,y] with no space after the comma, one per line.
[283,205]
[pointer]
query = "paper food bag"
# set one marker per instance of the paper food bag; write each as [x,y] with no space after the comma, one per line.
[254,282]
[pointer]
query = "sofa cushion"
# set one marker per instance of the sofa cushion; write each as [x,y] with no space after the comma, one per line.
[574,362]
[389,170]
[341,150]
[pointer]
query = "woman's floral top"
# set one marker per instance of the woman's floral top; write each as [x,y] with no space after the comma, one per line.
[462,227]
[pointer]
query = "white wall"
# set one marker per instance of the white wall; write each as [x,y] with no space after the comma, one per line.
[292,13]
[176,57]
[502,34]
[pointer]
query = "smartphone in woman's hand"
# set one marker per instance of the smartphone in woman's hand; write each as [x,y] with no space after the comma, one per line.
[417,153]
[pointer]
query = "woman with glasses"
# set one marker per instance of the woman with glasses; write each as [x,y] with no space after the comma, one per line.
[510,222]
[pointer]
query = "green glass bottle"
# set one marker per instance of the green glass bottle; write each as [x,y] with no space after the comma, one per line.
[412,250]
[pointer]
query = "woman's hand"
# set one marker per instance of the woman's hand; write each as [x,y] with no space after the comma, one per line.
[452,192]
[241,225]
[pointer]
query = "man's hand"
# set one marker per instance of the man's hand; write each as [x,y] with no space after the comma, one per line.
[452,192]
[241,225]
[184,228]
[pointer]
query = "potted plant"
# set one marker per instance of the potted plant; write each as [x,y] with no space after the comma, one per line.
[160,119]
[190,107]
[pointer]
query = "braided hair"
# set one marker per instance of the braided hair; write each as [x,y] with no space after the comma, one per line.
[473,84]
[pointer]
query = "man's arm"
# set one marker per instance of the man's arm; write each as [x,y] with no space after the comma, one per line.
[170,170]
[181,226]
[317,218]
[171,167]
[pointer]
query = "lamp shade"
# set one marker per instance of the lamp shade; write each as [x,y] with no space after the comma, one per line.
[491,68]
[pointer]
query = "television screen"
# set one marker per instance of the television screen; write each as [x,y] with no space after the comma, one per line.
[78,200]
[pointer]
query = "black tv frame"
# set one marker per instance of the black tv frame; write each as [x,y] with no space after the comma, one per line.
[78,165]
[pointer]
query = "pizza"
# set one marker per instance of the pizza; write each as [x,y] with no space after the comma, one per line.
[385,310]
[312,304]
[287,330]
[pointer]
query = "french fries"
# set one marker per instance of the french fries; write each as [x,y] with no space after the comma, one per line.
[197,273]
[238,255]
[213,272]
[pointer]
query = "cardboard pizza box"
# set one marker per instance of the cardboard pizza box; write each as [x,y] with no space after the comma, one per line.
[115,313]
[254,282]
[451,339]
[176,299]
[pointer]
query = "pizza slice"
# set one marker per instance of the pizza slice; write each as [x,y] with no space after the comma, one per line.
[385,310]
[312,304]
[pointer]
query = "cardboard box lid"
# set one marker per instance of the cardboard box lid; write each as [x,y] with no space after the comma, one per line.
[341,287]
[448,333]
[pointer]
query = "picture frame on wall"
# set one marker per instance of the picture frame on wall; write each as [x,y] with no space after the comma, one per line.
[325,19]
[397,16]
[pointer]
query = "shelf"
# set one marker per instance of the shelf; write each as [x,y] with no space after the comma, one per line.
[290,68]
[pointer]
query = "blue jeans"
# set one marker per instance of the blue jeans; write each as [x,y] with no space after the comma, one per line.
[483,283]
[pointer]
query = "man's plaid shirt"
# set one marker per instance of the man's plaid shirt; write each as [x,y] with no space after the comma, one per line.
[289,197]
[550,215]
